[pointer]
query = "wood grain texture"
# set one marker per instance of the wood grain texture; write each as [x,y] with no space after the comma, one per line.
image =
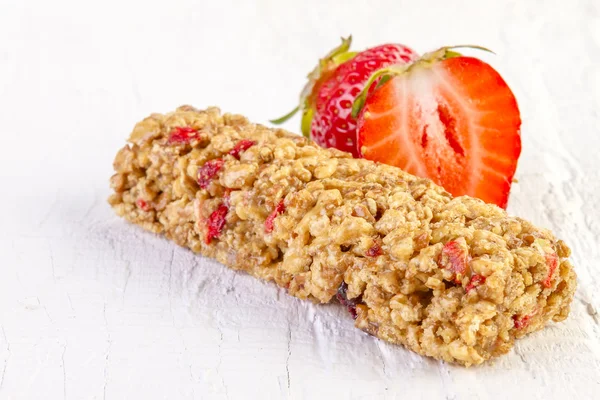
[91,307]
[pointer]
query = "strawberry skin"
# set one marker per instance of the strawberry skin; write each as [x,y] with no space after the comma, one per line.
[333,124]
[339,77]
[453,120]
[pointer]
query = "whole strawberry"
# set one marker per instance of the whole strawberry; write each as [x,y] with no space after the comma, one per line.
[326,100]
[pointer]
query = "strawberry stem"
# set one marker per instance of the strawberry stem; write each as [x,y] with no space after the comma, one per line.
[448,52]
[286,117]
[470,46]
[340,50]
[343,57]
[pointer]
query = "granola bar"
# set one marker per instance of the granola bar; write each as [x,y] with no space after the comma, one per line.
[451,278]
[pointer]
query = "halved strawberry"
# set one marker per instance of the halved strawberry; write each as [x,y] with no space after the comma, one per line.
[446,117]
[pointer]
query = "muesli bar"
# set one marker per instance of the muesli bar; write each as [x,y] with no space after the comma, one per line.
[451,278]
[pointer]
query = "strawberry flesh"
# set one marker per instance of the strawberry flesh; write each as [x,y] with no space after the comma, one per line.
[454,121]
[342,297]
[279,209]
[241,146]
[521,321]
[374,250]
[183,134]
[552,261]
[208,171]
[141,203]
[476,280]
[454,257]
[216,223]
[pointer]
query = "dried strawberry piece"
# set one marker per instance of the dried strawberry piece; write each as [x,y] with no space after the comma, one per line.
[208,171]
[183,134]
[141,203]
[476,280]
[242,145]
[216,223]
[455,258]
[552,261]
[374,251]
[279,209]
[521,321]
[342,297]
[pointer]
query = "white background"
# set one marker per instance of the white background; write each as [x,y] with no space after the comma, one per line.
[92,307]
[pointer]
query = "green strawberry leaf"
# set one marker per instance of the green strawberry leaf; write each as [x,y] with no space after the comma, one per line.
[444,53]
[342,48]
[343,57]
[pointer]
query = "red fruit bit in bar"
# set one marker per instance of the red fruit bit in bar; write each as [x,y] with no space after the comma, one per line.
[343,299]
[454,258]
[521,321]
[143,205]
[216,223]
[208,171]
[374,251]
[183,134]
[279,209]
[552,261]
[476,280]
[242,145]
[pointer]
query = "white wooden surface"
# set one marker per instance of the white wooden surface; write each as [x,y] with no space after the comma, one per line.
[91,307]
